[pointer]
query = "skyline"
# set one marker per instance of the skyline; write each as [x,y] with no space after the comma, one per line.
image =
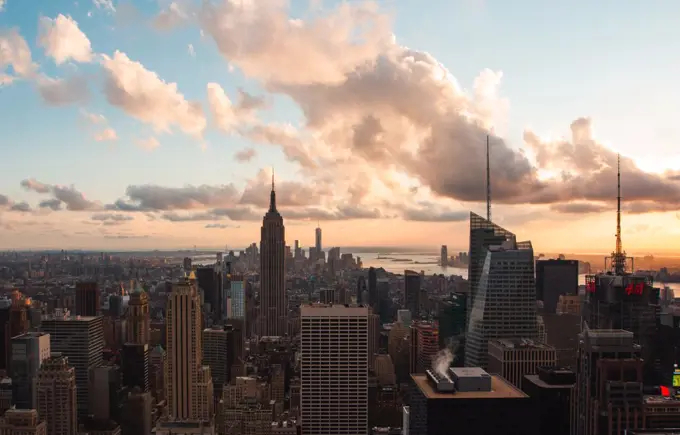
[143,125]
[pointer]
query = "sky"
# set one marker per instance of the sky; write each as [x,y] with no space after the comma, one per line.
[154,124]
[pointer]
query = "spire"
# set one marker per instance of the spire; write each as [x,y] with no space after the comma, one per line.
[272,197]
[619,256]
[488,182]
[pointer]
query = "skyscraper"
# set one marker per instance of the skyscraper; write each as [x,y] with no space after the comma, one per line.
[317,244]
[272,319]
[87,298]
[138,324]
[334,374]
[185,377]
[81,340]
[29,350]
[56,396]
[483,233]
[412,293]
[555,278]
[505,303]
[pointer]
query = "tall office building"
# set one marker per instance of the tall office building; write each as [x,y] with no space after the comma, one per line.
[334,370]
[317,244]
[238,298]
[207,278]
[373,289]
[218,355]
[552,393]
[56,396]
[483,234]
[412,293]
[273,301]
[505,303]
[139,321]
[135,363]
[81,340]
[555,278]
[87,298]
[29,350]
[444,260]
[185,380]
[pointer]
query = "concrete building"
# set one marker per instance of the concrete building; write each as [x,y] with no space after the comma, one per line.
[238,299]
[505,301]
[552,395]
[29,350]
[412,293]
[555,278]
[515,358]
[218,354]
[87,299]
[334,370]
[56,396]
[138,322]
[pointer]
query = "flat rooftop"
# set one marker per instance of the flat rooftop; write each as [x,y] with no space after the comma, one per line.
[500,389]
[541,383]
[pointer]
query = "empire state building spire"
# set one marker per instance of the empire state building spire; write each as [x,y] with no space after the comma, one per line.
[272,196]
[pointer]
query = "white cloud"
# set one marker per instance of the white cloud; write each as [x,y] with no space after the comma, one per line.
[144,95]
[63,40]
[149,144]
[171,16]
[15,53]
[261,39]
[105,5]
[93,118]
[229,116]
[106,135]
[2,5]
[191,51]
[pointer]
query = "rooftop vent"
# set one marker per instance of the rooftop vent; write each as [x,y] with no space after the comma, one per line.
[442,384]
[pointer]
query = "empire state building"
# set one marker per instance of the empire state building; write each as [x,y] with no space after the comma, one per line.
[273,301]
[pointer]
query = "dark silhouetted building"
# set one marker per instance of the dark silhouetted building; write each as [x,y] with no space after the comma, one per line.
[412,293]
[551,391]
[555,278]
[135,366]
[468,401]
[87,298]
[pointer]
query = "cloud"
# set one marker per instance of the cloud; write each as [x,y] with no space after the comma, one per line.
[15,54]
[288,193]
[2,5]
[434,214]
[68,195]
[4,200]
[106,135]
[157,198]
[61,92]
[63,40]
[579,208]
[255,35]
[227,116]
[143,95]
[111,219]
[172,16]
[93,118]
[191,51]
[149,144]
[21,206]
[104,5]
[245,155]
[53,204]
[288,138]
[237,213]
[220,226]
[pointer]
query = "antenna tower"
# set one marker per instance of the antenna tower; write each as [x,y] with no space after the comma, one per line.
[488,182]
[618,256]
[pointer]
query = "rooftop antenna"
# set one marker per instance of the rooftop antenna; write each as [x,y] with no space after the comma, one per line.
[488,182]
[619,256]
[272,178]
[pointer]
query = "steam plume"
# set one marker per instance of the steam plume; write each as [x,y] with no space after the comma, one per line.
[442,361]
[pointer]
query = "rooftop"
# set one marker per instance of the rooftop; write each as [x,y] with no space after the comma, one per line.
[519,343]
[500,388]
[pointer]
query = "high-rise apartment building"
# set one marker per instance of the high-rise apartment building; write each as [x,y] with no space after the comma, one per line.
[505,303]
[139,321]
[29,350]
[483,234]
[334,370]
[412,293]
[273,300]
[87,298]
[81,340]
[56,396]
[515,358]
[22,422]
[188,387]
[555,278]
